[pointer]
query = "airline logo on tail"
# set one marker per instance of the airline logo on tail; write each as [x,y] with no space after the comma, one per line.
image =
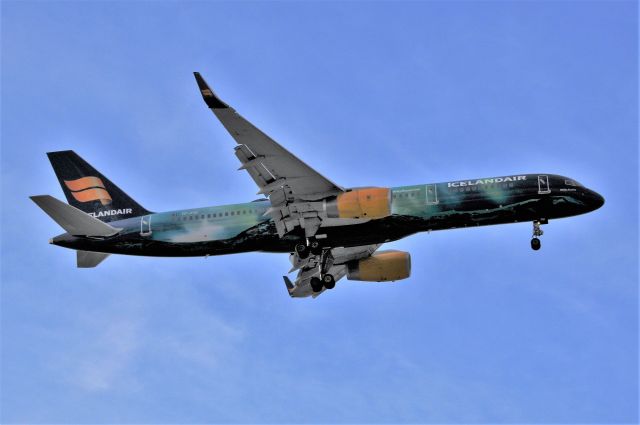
[88,189]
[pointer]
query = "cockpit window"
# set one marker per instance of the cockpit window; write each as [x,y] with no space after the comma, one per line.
[572,183]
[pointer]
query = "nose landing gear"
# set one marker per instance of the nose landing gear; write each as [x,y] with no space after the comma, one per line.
[537,231]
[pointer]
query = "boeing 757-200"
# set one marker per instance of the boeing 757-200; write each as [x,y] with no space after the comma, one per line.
[328,231]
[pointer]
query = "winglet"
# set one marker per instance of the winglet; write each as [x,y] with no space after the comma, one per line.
[208,95]
[290,286]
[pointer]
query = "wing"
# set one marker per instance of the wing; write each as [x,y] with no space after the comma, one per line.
[279,174]
[309,268]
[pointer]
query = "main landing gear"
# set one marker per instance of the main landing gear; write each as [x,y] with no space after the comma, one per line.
[327,281]
[537,231]
[305,249]
[314,247]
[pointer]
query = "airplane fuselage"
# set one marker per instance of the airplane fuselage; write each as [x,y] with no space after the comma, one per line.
[248,227]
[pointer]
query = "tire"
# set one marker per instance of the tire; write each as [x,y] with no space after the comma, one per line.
[316,247]
[316,284]
[302,250]
[329,281]
[535,244]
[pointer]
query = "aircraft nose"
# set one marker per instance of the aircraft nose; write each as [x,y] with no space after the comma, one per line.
[596,200]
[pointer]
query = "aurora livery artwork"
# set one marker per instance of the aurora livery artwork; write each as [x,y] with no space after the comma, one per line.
[328,231]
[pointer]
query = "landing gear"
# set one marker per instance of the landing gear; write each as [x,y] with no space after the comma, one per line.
[312,247]
[322,259]
[535,244]
[302,250]
[315,247]
[537,231]
[316,284]
[329,281]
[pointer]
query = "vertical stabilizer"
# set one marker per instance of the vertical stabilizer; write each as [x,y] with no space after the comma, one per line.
[90,191]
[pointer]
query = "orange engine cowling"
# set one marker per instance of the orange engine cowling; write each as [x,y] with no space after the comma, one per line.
[382,266]
[371,202]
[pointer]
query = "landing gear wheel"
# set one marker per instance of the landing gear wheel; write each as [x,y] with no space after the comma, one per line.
[535,244]
[315,246]
[316,284]
[537,232]
[329,281]
[302,250]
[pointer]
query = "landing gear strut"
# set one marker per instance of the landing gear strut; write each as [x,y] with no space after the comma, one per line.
[537,231]
[324,264]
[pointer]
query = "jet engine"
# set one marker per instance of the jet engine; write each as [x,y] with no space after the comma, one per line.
[370,202]
[382,266]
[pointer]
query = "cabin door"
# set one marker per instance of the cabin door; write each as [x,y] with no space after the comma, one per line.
[145,225]
[543,185]
[432,194]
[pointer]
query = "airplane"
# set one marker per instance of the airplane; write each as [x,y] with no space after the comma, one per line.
[329,231]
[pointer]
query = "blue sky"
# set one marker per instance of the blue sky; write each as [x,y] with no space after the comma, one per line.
[485,330]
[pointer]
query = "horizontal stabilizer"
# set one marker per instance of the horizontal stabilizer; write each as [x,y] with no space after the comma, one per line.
[71,219]
[88,259]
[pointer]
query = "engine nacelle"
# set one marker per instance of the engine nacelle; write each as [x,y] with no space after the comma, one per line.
[382,266]
[371,202]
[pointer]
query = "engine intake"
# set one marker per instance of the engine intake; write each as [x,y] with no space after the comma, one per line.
[382,266]
[371,202]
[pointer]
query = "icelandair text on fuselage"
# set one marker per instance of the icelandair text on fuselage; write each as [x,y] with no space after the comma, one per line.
[123,211]
[486,181]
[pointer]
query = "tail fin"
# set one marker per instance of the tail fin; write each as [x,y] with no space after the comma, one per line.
[88,190]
